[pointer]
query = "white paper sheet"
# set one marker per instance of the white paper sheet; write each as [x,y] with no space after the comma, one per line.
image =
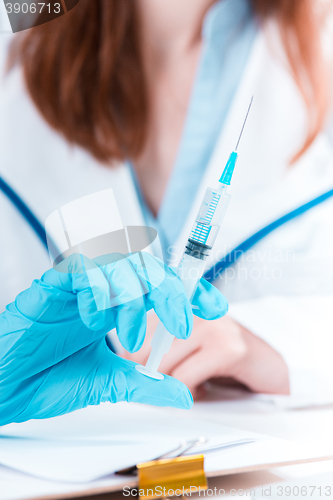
[18,486]
[87,444]
[98,441]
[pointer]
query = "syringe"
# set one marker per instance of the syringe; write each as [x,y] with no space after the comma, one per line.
[192,264]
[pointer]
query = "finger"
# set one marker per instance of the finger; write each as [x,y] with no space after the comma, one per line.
[45,326]
[128,384]
[179,352]
[212,304]
[126,297]
[131,323]
[195,370]
[139,356]
[53,289]
[166,296]
[123,282]
[82,278]
[93,294]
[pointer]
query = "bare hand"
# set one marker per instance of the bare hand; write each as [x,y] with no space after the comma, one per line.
[220,348]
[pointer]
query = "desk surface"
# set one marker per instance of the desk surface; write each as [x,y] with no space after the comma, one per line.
[247,412]
[242,410]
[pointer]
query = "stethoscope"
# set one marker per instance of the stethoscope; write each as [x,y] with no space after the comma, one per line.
[218,268]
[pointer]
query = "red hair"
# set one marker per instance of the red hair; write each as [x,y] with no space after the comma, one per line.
[85,74]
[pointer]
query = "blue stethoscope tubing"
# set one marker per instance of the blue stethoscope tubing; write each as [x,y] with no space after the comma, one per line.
[24,211]
[218,268]
[229,259]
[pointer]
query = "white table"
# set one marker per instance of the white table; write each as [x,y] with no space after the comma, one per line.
[247,412]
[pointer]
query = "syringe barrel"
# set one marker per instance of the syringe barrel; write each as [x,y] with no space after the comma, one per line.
[210,216]
[192,264]
[160,345]
[190,271]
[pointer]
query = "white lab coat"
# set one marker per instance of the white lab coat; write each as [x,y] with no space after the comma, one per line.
[281,291]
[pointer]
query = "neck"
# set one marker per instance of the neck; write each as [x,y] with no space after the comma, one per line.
[169,25]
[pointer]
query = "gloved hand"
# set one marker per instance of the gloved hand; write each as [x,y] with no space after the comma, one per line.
[53,353]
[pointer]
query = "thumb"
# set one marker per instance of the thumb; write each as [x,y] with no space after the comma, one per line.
[127,384]
[92,375]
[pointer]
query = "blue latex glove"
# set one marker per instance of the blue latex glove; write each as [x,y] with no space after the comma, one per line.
[54,356]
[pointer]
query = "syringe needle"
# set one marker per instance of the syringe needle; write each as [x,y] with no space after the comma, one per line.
[241,132]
